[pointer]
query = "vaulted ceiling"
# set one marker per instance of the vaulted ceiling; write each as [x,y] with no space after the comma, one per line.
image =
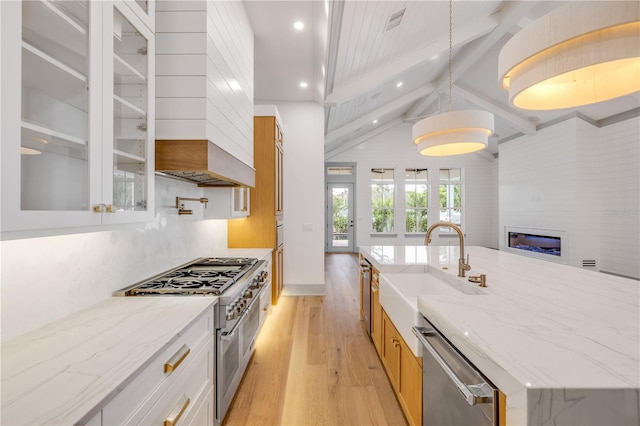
[375,65]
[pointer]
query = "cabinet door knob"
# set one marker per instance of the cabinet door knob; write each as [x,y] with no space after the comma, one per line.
[111,208]
[99,208]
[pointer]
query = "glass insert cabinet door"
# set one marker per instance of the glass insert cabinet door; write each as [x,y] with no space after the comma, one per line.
[56,87]
[129,98]
[76,82]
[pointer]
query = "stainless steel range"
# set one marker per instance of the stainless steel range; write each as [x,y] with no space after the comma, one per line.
[239,283]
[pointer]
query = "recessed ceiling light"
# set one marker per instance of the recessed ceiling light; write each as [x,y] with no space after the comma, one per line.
[434,57]
[399,84]
[303,84]
[375,121]
[298,25]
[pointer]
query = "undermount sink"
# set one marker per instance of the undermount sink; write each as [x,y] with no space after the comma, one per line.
[399,298]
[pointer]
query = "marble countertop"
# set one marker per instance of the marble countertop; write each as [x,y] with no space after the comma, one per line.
[65,371]
[563,343]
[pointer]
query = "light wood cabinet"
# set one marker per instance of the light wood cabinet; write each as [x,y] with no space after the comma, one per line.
[404,371]
[278,268]
[279,209]
[376,311]
[78,112]
[259,228]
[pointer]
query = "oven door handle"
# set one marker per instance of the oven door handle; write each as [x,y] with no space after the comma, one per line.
[228,335]
[481,393]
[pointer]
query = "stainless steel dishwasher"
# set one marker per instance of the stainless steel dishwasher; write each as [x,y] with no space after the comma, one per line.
[365,276]
[454,392]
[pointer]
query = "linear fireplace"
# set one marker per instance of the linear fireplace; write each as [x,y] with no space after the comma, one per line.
[547,244]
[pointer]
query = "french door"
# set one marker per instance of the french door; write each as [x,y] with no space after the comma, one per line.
[340,209]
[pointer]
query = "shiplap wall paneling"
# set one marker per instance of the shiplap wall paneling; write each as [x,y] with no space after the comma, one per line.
[205,74]
[580,179]
[620,203]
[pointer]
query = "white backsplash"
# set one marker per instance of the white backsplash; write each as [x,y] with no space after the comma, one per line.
[47,278]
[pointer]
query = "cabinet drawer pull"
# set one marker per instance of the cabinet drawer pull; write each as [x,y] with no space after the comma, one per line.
[176,359]
[177,410]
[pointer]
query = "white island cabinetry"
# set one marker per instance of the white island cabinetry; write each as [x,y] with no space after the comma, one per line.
[78,112]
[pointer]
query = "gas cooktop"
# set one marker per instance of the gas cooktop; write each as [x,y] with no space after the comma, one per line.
[202,276]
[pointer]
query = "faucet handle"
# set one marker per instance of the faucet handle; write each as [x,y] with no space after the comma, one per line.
[465,265]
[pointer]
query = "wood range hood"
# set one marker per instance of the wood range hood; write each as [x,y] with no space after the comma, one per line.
[202,162]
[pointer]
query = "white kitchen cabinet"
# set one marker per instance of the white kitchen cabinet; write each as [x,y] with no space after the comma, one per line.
[159,392]
[95,420]
[78,83]
[146,11]
[227,203]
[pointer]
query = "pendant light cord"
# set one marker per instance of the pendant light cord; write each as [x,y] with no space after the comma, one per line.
[450,55]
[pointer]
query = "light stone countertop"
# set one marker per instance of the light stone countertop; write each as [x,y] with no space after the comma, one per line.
[563,343]
[64,372]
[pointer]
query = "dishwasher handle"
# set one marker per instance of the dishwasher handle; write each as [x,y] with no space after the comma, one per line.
[481,393]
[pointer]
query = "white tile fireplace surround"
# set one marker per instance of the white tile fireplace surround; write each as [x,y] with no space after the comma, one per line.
[544,244]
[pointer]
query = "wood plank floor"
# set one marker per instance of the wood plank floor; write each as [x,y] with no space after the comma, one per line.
[314,364]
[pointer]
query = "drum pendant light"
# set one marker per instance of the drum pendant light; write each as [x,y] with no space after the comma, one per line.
[581,53]
[453,132]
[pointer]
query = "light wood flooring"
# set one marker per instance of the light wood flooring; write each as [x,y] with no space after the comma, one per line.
[314,364]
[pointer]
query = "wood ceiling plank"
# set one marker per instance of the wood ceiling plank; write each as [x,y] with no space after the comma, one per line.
[379,75]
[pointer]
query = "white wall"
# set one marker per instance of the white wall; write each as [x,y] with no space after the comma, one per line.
[619,213]
[303,127]
[44,279]
[395,149]
[580,179]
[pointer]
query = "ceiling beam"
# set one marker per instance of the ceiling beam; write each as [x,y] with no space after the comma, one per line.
[508,17]
[377,113]
[336,8]
[320,50]
[386,72]
[332,151]
[518,122]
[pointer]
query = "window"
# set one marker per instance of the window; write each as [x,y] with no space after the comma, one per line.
[382,200]
[450,192]
[340,171]
[416,189]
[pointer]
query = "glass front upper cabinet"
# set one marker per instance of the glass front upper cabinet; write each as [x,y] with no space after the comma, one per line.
[130,118]
[77,114]
[55,91]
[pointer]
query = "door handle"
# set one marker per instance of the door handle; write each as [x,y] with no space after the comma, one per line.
[474,394]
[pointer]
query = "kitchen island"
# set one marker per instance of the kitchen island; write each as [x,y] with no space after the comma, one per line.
[562,343]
